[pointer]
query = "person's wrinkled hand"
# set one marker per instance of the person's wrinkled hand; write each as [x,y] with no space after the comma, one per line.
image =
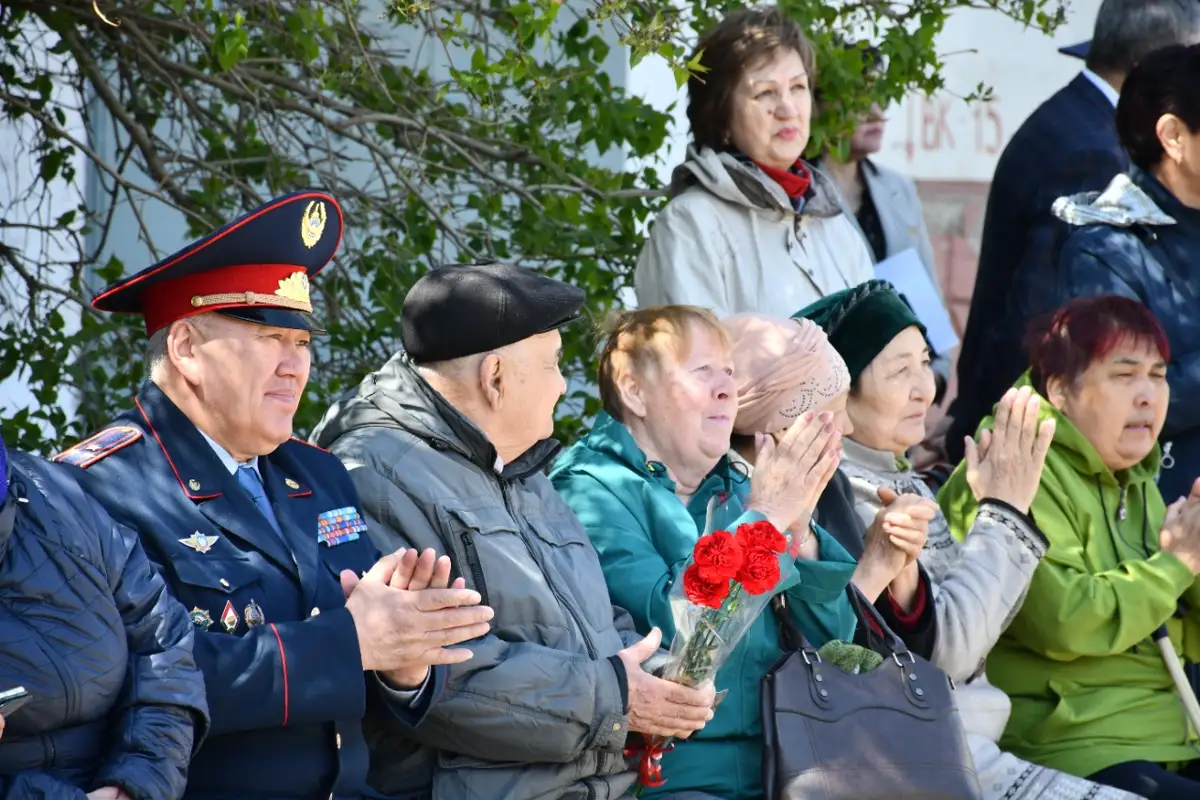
[894,540]
[401,632]
[790,476]
[1180,533]
[658,707]
[1007,463]
[1194,494]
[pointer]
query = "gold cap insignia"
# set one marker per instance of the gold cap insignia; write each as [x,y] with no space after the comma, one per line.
[312,224]
[295,288]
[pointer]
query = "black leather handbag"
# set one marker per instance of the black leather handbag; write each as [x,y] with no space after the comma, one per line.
[892,733]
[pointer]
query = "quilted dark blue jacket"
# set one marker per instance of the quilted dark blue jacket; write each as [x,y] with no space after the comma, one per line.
[87,627]
[1137,240]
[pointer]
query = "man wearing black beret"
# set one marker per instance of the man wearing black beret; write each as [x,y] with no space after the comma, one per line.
[446,445]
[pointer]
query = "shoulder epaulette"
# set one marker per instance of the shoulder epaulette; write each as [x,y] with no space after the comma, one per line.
[98,447]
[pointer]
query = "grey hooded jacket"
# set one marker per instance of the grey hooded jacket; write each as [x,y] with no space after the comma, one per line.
[539,711]
[730,240]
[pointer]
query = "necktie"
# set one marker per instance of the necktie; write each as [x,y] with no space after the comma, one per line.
[248,478]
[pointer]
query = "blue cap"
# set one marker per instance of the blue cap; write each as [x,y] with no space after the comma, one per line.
[256,268]
[1077,50]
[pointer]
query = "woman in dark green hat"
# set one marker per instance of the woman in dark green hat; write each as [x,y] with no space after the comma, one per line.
[978,585]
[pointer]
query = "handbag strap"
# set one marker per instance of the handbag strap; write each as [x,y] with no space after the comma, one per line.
[794,640]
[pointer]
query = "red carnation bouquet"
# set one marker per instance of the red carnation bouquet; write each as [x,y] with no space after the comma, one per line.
[728,581]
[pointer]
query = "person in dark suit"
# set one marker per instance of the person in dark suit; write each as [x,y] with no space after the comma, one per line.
[259,534]
[1068,145]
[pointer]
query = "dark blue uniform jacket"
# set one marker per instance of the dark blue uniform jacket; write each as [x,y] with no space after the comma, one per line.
[279,651]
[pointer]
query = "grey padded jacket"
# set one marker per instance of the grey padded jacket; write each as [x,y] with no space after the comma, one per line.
[539,710]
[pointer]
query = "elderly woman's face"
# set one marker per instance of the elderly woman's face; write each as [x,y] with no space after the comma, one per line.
[772,109]
[894,393]
[1119,403]
[690,404]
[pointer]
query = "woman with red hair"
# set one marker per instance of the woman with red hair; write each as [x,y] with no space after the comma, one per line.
[1091,693]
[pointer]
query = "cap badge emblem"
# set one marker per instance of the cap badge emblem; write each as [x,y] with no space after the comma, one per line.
[295,288]
[312,224]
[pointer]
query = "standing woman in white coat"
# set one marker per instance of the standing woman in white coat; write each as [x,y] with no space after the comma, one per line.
[750,226]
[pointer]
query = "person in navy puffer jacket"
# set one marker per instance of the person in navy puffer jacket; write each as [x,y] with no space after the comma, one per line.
[117,704]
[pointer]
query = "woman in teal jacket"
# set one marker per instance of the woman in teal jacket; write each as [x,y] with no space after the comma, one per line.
[642,482]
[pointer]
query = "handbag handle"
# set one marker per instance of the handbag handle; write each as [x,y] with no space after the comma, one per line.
[794,640]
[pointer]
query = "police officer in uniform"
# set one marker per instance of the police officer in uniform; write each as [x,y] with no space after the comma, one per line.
[303,631]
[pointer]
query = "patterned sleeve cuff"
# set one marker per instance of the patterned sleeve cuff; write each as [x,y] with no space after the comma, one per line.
[1022,525]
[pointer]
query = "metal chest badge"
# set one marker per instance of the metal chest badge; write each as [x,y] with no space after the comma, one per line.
[200,542]
[253,614]
[339,525]
[229,617]
[200,618]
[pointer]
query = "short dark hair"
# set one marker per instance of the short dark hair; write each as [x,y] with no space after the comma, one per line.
[741,39]
[1164,82]
[1129,30]
[1086,330]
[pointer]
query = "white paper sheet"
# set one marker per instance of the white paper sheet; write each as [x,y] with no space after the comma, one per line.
[906,272]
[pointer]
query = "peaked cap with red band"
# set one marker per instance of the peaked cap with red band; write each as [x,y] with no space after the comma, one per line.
[256,268]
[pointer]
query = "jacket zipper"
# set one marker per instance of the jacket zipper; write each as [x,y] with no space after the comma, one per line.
[549,580]
[475,566]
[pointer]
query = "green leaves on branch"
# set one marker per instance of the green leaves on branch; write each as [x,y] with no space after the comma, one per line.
[452,130]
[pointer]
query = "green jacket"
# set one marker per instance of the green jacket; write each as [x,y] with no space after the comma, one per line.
[644,536]
[1088,685]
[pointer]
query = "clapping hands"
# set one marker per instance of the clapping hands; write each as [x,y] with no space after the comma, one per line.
[1007,463]
[1180,533]
[789,476]
[408,616]
[895,540]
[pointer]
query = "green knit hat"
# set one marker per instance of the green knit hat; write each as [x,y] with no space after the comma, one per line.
[862,321]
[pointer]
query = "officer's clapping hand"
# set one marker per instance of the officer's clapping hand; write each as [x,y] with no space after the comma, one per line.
[405,628]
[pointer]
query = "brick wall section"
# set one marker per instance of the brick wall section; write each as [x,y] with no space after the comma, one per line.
[954,213]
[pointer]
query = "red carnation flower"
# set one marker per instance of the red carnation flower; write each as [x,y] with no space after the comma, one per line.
[760,571]
[761,534]
[718,555]
[701,592]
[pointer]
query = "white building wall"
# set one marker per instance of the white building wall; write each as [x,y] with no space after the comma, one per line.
[21,204]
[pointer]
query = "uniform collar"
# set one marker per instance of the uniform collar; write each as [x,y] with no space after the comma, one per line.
[230,463]
[197,466]
[1106,88]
